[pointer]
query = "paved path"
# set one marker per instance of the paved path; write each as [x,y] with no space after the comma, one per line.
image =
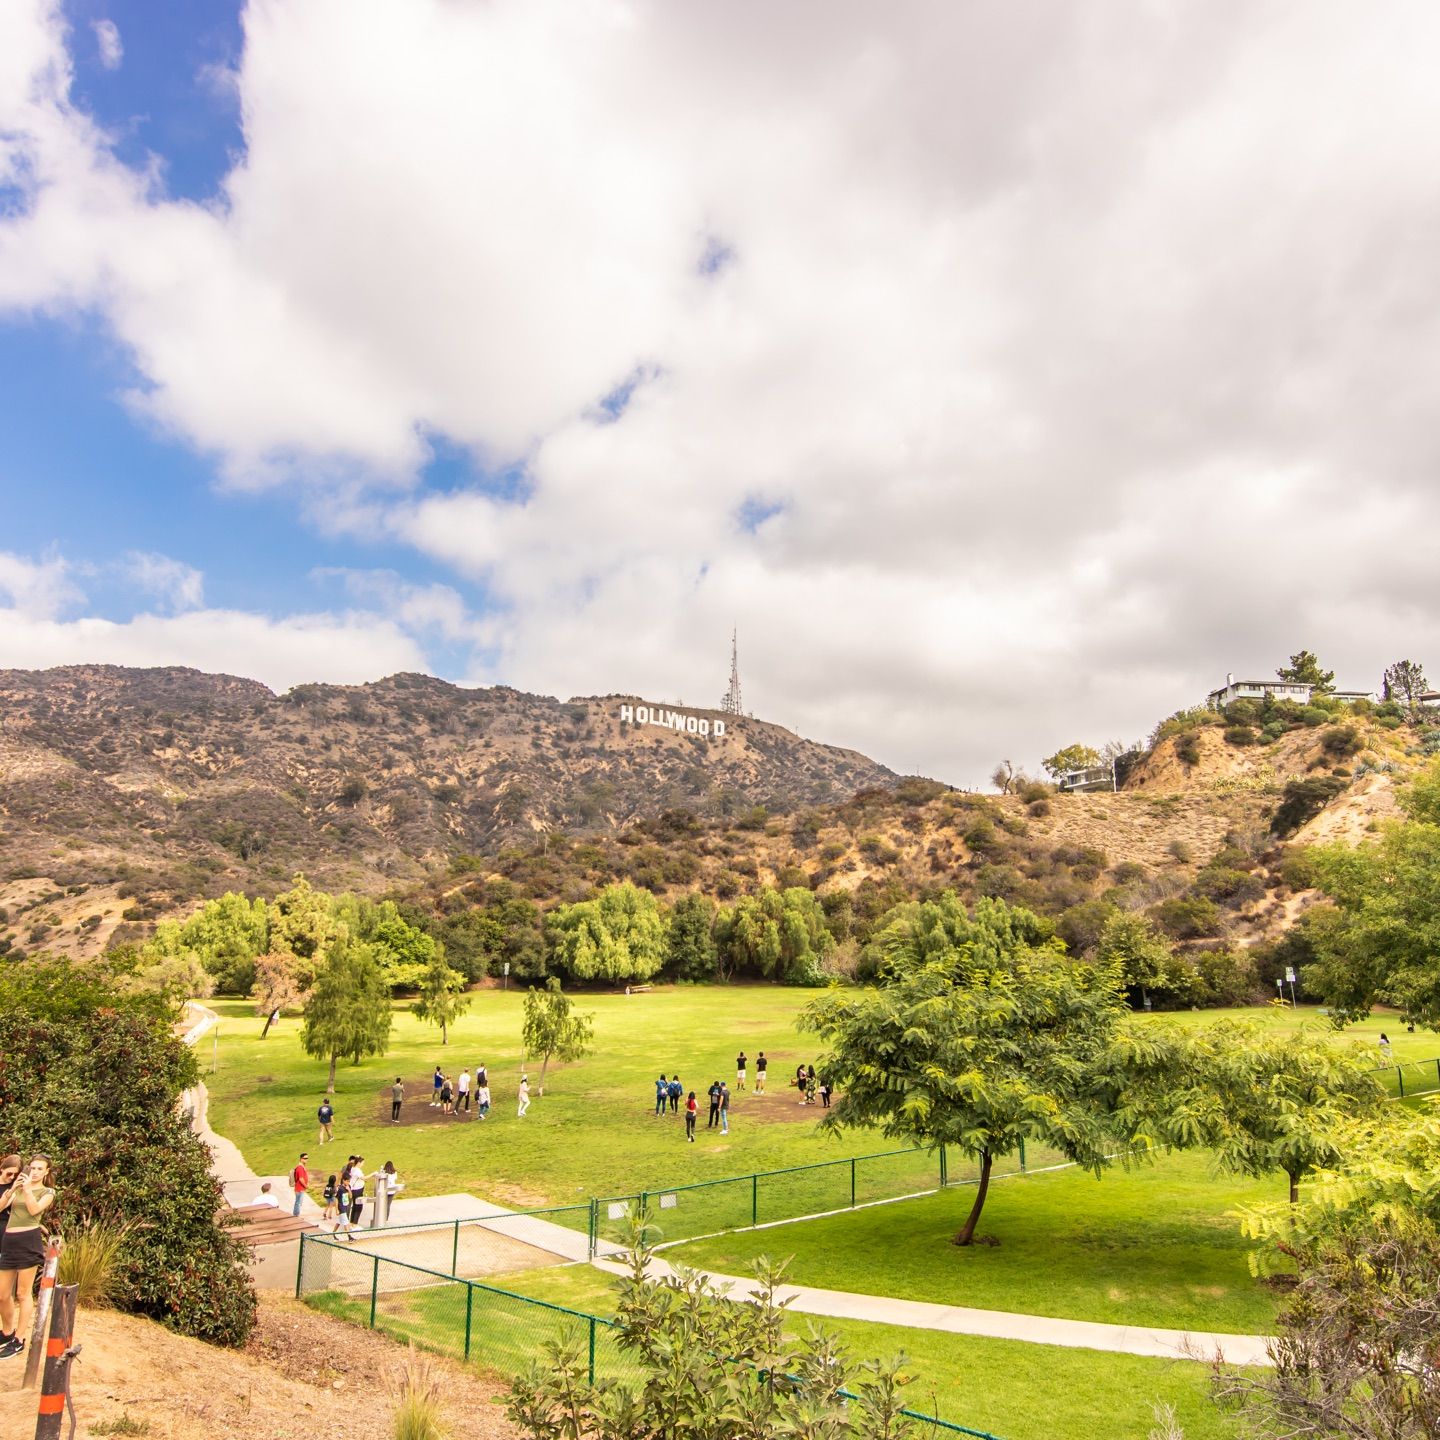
[998,1324]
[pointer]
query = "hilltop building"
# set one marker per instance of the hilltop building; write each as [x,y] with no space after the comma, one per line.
[1297,690]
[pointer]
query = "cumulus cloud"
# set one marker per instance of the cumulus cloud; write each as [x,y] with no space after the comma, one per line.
[37,589]
[107,43]
[1006,373]
[177,585]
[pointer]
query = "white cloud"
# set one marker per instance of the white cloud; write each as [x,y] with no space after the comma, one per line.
[1088,352]
[107,42]
[177,585]
[37,589]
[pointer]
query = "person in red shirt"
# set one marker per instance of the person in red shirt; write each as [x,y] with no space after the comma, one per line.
[692,1109]
[300,1179]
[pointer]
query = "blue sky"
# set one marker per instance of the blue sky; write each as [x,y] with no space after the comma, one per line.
[1005,375]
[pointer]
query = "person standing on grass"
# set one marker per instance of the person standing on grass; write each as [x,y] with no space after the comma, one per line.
[397,1099]
[1385,1052]
[724,1109]
[447,1098]
[740,1071]
[760,1065]
[824,1093]
[714,1093]
[462,1088]
[482,1100]
[662,1093]
[436,1081]
[809,1084]
[22,1251]
[300,1179]
[524,1095]
[692,1111]
[325,1114]
[676,1091]
[482,1075]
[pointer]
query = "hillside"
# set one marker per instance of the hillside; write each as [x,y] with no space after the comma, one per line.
[149,788]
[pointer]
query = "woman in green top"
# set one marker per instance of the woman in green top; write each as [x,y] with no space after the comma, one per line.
[22,1251]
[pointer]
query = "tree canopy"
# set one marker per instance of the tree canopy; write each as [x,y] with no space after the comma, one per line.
[1305,669]
[1405,682]
[619,935]
[982,1034]
[1072,757]
[552,1029]
[348,1012]
[442,994]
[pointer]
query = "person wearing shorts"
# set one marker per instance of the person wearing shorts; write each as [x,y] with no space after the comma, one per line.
[760,1063]
[22,1251]
[325,1114]
[524,1095]
[740,1071]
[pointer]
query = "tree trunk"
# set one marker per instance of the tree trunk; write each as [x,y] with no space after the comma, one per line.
[1294,1188]
[330,1084]
[444,1035]
[269,1020]
[967,1232]
[544,1066]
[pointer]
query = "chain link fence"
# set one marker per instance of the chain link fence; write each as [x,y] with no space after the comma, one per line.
[473,1322]
[1415,1077]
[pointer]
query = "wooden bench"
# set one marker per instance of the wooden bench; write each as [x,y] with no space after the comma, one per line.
[266,1224]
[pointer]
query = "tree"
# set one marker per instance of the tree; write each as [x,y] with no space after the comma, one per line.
[690,948]
[1405,681]
[1144,960]
[1264,1102]
[1379,939]
[226,935]
[619,935]
[277,986]
[982,1034]
[1002,777]
[442,994]
[348,1012]
[1304,669]
[301,922]
[1072,757]
[698,1364]
[551,1029]
[778,934]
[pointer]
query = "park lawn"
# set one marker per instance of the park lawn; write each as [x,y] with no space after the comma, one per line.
[1152,1246]
[1015,1390]
[594,1131]
[1365,1034]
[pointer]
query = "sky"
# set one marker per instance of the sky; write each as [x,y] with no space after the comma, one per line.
[1005,373]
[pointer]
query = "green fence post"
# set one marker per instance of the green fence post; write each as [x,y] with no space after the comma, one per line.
[1400,1077]
[300,1268]
[592,1349]
[944,1175]
[1022,1156]
[852,1182]
[755,1193]
[594,1226]
[374,1289]
[1437,1072]
[469,1312]
[455,1252]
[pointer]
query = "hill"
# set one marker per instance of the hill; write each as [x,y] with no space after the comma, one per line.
[133,792]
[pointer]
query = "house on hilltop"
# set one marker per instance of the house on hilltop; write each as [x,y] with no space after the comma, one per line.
[1087,780]
[1297,690]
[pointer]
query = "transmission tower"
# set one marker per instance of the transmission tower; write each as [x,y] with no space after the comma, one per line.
[730,704]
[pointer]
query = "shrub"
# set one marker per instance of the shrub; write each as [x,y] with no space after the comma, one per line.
[1224,977]
[418,1401]
[1129,872]
[1221,882]
[1187,748]
[1240,735]
[1313,715]
[1342,741]
[1188,917]
[91,1259]
[1038,808]
[1181,851]
[1034,790]
[1242,712]
[1302,801]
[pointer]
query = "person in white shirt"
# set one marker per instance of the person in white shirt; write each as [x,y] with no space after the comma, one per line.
[463,1086]
[266,1198]
[357,1190]
[482,1100]
[524,1093]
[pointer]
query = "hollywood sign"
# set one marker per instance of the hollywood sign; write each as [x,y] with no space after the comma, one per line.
[672,720]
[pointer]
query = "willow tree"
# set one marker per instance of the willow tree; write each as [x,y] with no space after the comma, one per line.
[348,1011]
[981,1035]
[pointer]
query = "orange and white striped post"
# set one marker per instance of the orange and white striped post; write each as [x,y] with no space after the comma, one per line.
[42,1313]
[55,1389]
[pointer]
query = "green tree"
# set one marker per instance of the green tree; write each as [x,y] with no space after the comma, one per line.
[1263,1102]
[348,1012]
[301,923]
[1380,938]
[1145,960]
[277,986]
[1405,681]
[1072,757]
[442,994]
[552,1029]
[780,934]
[619,935]
[672,1332]
[690,948]
[226,935]
[978,1038]
[1304,669]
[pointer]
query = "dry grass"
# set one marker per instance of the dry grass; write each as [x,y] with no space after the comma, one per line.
[91,1258]
[418,1409]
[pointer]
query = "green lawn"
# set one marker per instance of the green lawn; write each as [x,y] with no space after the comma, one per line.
[1152,1246]
[1014,1390]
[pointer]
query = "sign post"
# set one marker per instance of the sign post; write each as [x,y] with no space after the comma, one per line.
[507,975]
[1290,980]
[35,1353]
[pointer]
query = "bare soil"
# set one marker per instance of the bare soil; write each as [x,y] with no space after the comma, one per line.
[302,1374]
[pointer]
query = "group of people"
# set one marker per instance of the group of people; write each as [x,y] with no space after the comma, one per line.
[27,1191]
[670,1092]
[810,1087]
[344,1194]
[450,1096]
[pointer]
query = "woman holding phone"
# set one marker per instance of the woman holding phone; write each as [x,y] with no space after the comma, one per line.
[22,1251]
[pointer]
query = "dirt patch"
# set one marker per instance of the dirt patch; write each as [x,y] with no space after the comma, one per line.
[416,1108]
[479,1251]
[302,1374]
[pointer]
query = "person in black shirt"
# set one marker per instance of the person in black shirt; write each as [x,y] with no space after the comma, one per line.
[714,1105]
[760,1063]
[740,1071]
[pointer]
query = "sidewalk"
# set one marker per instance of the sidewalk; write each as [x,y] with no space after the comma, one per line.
[997,1324]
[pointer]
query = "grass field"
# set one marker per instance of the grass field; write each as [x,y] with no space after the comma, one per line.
[1012,1389]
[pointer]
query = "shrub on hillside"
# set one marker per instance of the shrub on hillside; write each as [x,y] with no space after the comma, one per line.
[1222,882]
[1302,801]
[95,1076]
[1240,735]
[1342,741]
[1032,791]
[1188,917]
[1187,748]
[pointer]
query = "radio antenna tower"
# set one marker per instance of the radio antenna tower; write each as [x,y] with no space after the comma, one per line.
[730,704]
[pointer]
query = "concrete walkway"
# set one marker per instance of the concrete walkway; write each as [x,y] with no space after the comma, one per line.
[997,1324]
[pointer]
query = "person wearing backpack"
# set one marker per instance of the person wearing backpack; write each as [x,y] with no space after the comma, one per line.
[300,1180]
[325,1114]
[676,1091]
